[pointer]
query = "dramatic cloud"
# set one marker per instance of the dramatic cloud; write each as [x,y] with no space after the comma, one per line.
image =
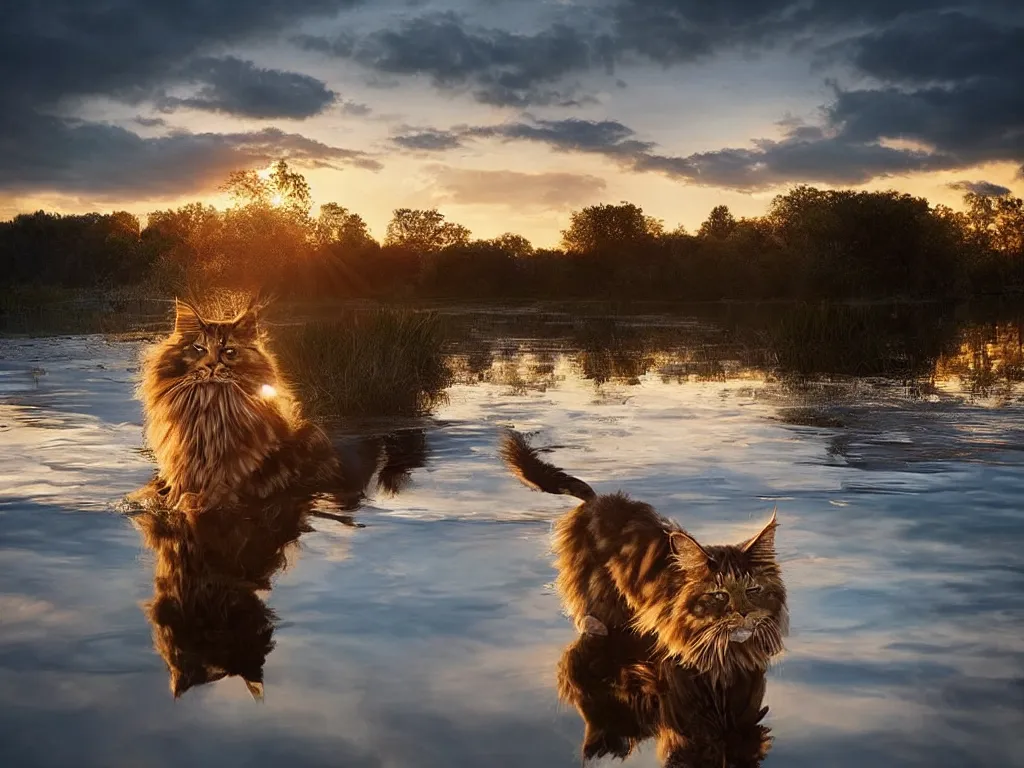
[108,161]
[949,75]
[682,31]
[983,188]
[953,83]
[948,46]
[805,154]
[429,140]
[604,137]
[496,66]
[54,54]
[67,48]
[548,191]
[238,87]
[920,85]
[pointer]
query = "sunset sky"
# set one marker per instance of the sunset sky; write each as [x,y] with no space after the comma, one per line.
[508,114]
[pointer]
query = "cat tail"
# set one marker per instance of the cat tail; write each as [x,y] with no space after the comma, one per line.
[533,471]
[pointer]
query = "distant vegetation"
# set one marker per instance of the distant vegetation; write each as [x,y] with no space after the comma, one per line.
[811,244]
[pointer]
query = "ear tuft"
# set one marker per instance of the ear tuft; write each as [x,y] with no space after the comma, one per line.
[761,548]
[688,551]
[246,325]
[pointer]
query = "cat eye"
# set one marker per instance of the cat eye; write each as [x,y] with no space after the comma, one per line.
[198,347]
[230,353]
[720,596]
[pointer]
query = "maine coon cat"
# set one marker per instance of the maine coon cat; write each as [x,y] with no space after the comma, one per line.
[627,691]
[221,421]
[718,609]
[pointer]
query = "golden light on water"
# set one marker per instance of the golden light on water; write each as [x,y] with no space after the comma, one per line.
[268,391]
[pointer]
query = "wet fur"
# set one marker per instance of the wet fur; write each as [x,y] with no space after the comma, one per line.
[217,438]
[627,692]
[621,562]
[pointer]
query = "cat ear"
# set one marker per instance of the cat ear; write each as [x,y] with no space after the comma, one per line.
[761,548]
[186,318]
[255,688]
[688,550]
[246,325]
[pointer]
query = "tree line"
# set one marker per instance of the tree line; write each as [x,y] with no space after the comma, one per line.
[811,243]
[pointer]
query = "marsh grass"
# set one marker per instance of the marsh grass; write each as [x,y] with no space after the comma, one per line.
[857,340]
[384,362]
[51,311]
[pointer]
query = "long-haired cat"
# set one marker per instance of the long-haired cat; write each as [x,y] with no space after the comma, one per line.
[627,691]
[718,609]
[221,421]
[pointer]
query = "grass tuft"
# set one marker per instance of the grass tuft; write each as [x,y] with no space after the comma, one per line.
[380,363]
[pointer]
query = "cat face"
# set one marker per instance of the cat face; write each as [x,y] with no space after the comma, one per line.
[733,600]
[216,352]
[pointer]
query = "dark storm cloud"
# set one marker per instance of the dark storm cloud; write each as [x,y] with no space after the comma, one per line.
[54,53]
[497,66]
[983,188]
[940,47]
[680,31]
[64,48]
[236,87]
[953,82]
[109,161]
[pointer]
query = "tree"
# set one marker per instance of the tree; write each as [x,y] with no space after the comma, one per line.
[337,226]
[515,245]
[424,231]
[281,188]
[609,227]
[719,224]
[999,220]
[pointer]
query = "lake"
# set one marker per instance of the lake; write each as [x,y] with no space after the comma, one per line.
[430,637]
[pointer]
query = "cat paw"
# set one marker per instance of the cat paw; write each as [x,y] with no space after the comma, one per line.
[592,626]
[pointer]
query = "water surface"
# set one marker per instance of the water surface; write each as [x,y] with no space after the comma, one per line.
[430,637]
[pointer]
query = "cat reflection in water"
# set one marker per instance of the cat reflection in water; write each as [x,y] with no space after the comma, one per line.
[207,619]
[221,420]
[627,691]
[208,622]
[685,631]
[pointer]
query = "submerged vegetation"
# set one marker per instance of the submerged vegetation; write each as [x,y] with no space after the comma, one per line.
[384,362]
